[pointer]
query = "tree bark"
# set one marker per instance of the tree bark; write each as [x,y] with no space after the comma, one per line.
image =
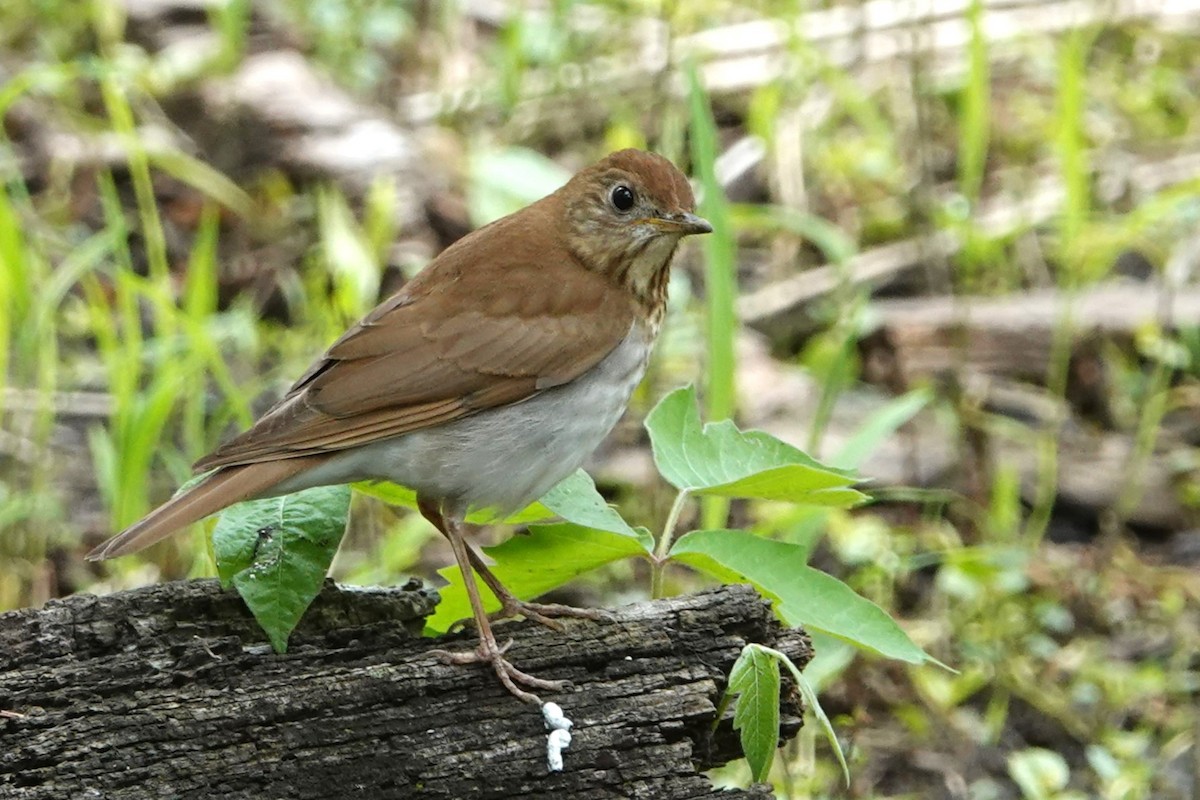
[172,691]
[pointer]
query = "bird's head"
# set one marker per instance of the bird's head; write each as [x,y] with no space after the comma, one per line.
[625,216]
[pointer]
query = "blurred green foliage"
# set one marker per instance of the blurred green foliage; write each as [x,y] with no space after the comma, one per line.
[1076,666]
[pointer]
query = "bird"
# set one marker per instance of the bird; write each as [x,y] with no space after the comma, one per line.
[483,382]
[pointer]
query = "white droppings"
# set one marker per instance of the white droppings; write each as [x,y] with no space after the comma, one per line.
[555,720]
[556,742]
[559,738]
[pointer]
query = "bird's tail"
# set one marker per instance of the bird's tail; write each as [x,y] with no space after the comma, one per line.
[222,488]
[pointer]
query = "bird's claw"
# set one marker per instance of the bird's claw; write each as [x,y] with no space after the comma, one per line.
[492,653]
[545,613]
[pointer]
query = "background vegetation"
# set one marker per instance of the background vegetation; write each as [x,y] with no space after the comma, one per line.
[956,250]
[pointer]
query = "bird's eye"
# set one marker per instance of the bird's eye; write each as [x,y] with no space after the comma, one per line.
[622,198]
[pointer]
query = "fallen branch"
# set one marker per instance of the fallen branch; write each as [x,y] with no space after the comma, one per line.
[793,308]
[1014,335]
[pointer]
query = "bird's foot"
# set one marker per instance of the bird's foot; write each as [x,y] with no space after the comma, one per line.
[489,652]
[545,613]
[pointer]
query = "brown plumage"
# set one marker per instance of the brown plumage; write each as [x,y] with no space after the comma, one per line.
[414,362]
[487,378]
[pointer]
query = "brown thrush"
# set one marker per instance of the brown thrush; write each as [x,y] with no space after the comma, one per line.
[486,380]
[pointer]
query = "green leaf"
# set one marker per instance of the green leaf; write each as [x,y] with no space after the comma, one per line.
[354,268]
[812,704]
[719,459]
[1039,772]
[769,220]
[755,675]
[276,552]
[720,250]
[208,180]
[397,495]
[755,679]
[548,556]
[803,595]
[573,499]
[532,564]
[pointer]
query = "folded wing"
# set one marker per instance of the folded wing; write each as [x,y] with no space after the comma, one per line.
[452,343]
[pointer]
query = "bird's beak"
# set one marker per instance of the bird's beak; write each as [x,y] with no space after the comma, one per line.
[685,223]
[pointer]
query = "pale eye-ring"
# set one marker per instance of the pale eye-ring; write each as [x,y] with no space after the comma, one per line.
[622,197]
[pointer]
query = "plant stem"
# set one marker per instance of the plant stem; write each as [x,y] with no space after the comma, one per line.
[663,549]
[720,278]
[1046,487]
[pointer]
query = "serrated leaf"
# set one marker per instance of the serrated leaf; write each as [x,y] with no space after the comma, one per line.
[720,459]
[814,705]
[532,564]
[803,595]
[276,553]
[754,678]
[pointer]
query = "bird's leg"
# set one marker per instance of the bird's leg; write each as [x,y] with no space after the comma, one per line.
[488,651]
[510,604]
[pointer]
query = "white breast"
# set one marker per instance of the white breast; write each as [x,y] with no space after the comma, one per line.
[507,457]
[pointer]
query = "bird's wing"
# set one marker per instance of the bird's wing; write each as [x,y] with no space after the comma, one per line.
[454,342]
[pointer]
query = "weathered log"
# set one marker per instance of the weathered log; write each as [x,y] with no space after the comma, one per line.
[1013,335]
[173,691]
[793,308]
[1098,472]
[796,307]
